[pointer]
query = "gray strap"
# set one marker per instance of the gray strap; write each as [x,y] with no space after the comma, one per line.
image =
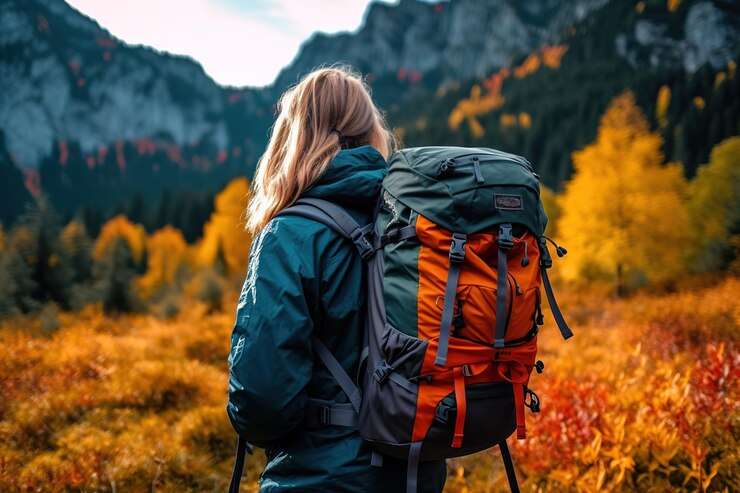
[505,242]
[556,313]
[310,212]
[457,256]
[242,448]
[363,360]
[337,219]
[338,215]
[502,295]
[376,459]
[399,234]
[509,466]
[398,379]
[321,413]
[336,370]
[412,472]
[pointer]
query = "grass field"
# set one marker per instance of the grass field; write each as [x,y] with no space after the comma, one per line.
[644,398]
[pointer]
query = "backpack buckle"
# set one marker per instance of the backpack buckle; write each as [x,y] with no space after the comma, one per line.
[505,237]
[534,400]
[545,258]
[364,246]
[382,372]
[457,247]
[324,415]
[442,413]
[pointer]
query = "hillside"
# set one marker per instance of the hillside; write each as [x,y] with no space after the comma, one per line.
[102,127]
[547,104]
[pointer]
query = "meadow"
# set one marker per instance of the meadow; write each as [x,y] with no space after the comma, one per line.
[113,350]
[644,398]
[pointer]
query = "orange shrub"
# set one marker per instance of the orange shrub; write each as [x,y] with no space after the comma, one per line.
[644,398]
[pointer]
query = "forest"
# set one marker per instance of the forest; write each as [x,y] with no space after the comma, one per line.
[113,340]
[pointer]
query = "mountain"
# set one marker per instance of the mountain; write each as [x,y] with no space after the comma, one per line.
[449,40]
[89,119]
[93,122]
[547,104]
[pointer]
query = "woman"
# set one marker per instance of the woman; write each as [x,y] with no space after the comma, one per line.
[329,141]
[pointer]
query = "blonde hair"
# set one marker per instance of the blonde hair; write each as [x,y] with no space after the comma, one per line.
[329,107]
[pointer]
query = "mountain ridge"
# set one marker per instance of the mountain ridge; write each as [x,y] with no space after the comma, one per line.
[91,119]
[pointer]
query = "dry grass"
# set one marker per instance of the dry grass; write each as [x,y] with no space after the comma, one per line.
[644,398]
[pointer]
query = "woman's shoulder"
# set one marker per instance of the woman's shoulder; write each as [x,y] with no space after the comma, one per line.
[302,237]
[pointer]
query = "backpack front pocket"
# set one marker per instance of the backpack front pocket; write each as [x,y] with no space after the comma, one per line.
[490,418]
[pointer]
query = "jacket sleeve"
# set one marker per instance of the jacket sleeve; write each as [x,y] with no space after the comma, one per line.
[271,362]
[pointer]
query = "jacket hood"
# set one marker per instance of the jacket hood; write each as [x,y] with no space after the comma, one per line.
[354,176]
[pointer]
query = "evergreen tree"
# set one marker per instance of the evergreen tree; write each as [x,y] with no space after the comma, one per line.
[77,246]
[13,192]
[47,260]
[17,285]
[114,273]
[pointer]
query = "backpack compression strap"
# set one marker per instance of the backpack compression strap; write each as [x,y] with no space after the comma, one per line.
[457,257]
[505,243]
[546,263]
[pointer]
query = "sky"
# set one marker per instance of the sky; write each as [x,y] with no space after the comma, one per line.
[238,42]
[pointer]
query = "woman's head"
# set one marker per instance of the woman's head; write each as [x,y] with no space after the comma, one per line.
[328,105]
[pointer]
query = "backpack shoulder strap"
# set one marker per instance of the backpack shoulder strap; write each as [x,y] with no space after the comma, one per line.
[336,370]
[337,219]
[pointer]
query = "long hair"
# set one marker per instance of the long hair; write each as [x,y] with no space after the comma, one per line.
[329,107]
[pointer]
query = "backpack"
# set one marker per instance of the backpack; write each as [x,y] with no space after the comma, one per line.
[458,239]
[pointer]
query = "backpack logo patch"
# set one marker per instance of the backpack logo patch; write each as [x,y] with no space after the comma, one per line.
[508,202]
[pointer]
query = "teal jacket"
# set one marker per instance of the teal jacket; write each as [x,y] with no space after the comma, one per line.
[304,279]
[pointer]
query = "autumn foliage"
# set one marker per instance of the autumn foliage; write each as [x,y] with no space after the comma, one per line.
[121,228]
[128,393]
[645,398]
[224,238]
[623,212]
[482,102]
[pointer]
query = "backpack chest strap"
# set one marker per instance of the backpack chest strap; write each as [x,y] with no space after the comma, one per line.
[320,414]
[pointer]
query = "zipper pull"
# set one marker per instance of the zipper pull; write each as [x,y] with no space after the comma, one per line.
[525,259]
[446,168]
[476,169]
[518,289]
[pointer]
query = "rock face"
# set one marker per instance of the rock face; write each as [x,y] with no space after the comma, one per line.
[459,39]
[64,78]
[710,34]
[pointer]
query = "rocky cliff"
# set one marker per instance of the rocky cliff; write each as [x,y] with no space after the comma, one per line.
[135,120]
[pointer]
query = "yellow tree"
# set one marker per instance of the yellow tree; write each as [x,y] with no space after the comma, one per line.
[224,238]
[661,105]
[166,256]
[623,213]
[714,207]
[550,204]
[120,227]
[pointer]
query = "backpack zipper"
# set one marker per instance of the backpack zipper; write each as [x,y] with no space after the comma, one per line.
[519,291]
[512,157]
[449,165]
[511,306]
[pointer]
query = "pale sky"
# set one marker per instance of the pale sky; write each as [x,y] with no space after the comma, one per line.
[238,42]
